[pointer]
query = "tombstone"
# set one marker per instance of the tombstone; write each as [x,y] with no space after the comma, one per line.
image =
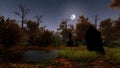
[70,42]
[93,40]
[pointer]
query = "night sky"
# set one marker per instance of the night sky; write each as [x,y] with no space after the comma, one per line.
[54,11]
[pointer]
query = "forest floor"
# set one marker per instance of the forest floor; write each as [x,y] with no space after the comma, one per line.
[99,62]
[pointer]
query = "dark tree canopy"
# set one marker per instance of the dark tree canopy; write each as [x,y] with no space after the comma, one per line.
[22,13]
[10,33]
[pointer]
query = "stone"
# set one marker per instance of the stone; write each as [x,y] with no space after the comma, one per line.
[93,40]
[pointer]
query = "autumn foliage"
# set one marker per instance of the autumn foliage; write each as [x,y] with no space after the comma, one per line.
[81,27]
[110,30]
[115,4]
[37,36]
[10,32]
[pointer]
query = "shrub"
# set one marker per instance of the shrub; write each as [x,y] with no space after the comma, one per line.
[10,33]
[115,43]
[113,55]
[47,38]
[57,40]
[38,36]
[43,38]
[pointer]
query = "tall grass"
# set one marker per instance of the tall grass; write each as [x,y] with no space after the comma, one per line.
[113,55]
[77,55]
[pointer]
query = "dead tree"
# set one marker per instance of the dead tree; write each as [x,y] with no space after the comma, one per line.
[22,13]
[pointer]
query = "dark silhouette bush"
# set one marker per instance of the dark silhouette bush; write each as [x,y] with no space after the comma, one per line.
[10,33]
[44,38]
[57,40]
[47,37]
[37,36]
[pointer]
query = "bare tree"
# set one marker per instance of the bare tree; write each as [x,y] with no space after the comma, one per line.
[39,21]
[2,18]
[22,13]
[65,29]
[96,20]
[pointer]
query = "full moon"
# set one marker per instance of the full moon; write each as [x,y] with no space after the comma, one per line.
[73,16]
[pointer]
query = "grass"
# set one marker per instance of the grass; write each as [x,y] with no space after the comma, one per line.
[113,55]
[77,55]
[82,55]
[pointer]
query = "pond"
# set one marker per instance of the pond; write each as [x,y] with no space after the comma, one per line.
[39,55]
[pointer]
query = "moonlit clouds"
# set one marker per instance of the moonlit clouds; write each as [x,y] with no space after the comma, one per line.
[73,17]
[54,11]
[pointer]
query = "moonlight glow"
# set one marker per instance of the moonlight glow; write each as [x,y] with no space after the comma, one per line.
[73,16]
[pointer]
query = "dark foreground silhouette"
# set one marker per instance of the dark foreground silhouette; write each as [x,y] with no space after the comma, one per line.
[93,40]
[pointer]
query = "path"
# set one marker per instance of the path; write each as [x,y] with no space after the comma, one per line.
[101,63]
[98,63]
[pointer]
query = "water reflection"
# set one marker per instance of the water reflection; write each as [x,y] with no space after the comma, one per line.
[37,55]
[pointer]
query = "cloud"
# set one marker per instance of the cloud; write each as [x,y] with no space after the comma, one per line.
[115,4]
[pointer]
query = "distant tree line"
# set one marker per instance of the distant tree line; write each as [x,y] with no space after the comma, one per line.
[33,34]
[12,34]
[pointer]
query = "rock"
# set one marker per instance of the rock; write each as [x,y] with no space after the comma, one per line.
[93,40]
